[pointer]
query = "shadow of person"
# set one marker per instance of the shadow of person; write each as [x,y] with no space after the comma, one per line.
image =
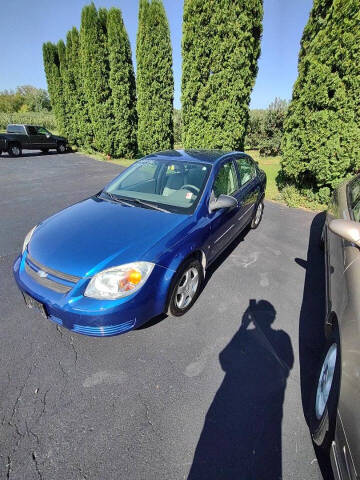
[241,437]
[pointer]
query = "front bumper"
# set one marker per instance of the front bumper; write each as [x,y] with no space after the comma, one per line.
[90,316]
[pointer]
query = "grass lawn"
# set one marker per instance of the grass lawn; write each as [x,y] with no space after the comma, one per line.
[271,166]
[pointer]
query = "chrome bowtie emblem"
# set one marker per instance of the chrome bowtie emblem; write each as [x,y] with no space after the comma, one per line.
[42,274]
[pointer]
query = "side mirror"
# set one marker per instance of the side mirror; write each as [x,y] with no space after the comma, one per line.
[48,135]
[223,201]
[346,229]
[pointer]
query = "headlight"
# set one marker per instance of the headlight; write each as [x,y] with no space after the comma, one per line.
[117,282]
[28,238]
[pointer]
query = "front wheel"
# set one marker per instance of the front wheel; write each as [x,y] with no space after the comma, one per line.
[325,396]
[255,222]
[186,288]
[61,148]
[14,150]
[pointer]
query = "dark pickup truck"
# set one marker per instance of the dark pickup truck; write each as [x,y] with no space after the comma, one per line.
[30,137]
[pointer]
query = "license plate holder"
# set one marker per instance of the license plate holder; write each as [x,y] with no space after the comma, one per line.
[30,302]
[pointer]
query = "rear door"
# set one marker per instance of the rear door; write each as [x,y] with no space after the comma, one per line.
[249,188]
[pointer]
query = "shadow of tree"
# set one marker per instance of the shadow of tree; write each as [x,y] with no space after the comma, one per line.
[241,437]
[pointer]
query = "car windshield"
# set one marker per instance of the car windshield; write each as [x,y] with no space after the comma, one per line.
[174,186]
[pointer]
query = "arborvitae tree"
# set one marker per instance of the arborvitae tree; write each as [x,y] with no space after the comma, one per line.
[220,48]
[53,78]
[95,74]
[322,130]
[122,83]
[154,78]
[80,118]
[70,92]
[64,88]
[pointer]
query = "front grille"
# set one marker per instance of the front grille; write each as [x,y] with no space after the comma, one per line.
[32,267]
[56,273]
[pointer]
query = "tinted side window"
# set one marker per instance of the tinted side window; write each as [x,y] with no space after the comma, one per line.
[247,170]
[31,130]
[226,181]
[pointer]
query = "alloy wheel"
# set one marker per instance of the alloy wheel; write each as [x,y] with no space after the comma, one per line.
[187,288]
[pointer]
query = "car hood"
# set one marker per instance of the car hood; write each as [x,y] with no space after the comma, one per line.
[96,234]
[56,137]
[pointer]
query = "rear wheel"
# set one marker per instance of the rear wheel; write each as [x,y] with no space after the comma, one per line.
[14,150]
[61,148]
[325,395]
[186,287]
[255,222]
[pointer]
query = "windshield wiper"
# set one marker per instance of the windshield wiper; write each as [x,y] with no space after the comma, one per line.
[117,199]
[149,205]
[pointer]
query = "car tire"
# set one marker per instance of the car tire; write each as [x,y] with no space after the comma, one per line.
[185,288]
[61,147]
[45,150]
[255,222]
[326,395]
[14,150]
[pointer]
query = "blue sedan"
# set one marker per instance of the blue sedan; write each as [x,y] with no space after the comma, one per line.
[141,246]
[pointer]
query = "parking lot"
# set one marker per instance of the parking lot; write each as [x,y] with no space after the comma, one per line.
[194,397]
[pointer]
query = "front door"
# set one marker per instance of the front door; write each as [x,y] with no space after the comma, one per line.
[223,222]
[249,189]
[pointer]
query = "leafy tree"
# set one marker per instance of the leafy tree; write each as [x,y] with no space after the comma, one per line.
[122,84]
[25,98]
[322,130]
[53,77]
[273,128]
[95,76]
[154,78]
[220,48]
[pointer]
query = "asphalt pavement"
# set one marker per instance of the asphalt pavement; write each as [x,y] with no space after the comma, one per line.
[219,393]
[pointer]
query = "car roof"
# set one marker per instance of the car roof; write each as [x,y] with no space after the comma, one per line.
[193,155]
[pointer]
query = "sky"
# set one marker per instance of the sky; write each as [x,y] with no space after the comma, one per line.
[25,26]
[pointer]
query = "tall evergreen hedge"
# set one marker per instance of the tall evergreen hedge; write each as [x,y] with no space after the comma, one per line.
[95,76]
[122,84]
[53,78]
[64,87]
[154,78]
[80,117]
[322,130]
[220,48]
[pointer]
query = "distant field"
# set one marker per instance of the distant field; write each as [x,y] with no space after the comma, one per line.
[45,119]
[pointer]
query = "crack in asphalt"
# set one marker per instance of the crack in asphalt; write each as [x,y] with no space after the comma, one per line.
[34,457]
